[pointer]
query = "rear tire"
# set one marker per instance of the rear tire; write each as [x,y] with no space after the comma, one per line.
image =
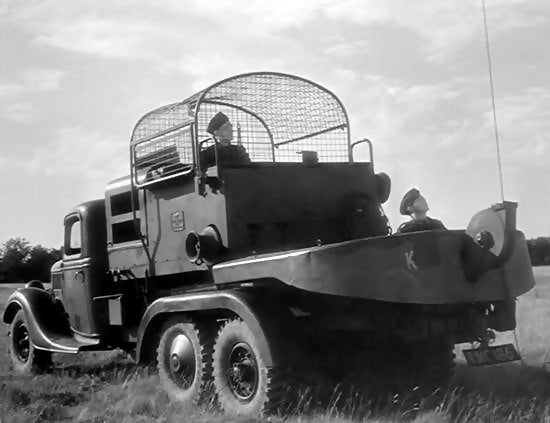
[439,364]
[432,361]
[184,360]
[25,357]
[243,383]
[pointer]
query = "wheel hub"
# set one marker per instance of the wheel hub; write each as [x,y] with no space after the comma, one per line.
[182,360]
[243,371]
[21,342]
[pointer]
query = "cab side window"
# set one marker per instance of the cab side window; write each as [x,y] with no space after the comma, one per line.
[73,236]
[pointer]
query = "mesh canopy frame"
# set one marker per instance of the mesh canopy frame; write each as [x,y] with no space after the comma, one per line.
[274,115]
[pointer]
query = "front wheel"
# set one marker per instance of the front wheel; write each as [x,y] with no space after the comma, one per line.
[25,358]
[243,383]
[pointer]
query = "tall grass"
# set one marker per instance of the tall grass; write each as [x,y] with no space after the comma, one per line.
[123,393]
[108,387]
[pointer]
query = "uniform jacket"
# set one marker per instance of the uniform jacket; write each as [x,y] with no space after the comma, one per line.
[420,225]
[227,155]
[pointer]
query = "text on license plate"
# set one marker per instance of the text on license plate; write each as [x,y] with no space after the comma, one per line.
[491,355]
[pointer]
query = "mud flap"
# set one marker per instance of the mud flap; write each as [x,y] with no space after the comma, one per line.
[503,317]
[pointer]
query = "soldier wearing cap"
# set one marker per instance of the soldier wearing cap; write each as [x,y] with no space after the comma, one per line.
[222,130]
[415,205]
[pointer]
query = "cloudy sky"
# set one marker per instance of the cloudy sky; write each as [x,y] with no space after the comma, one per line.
[75,76]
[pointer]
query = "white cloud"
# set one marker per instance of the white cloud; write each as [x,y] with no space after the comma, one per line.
[287,13]
[105,29]
[32,81]
[19,112]
[81,155]
[505,15]
[447,25]
[396,109]
[73,167]
[523,122]
[524,125]
[411,123]
[342,47]
[108,29]
[98,36]
[201,39]
[42,79]
[9,89]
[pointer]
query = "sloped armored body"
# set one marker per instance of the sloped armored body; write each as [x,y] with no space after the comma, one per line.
[228,268]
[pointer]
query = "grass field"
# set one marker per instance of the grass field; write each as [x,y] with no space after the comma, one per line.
[107,387]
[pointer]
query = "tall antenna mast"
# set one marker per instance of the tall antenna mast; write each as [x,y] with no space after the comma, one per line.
[516,338]
[493,100]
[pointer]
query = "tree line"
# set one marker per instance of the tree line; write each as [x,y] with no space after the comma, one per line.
[539,251]
[21,262]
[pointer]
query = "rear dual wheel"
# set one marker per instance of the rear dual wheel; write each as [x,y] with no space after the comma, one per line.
[184,358]
[428,363]
[190,361]
[436,363]
[243,382]
[25,357]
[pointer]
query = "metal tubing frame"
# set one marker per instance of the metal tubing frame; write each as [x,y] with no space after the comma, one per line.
[371,152]
[203,94]
[222,103]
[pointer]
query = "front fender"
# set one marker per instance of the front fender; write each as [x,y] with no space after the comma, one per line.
[258,313]
[45,318]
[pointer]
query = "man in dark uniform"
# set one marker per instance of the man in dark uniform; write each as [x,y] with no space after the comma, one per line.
[416,206]
[227,154]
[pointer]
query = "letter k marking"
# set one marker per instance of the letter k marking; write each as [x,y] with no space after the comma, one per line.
[411,265]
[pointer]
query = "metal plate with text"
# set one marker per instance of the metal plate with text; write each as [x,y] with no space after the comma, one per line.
[491,355]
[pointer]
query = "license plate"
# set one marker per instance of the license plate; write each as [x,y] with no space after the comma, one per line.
[491,355]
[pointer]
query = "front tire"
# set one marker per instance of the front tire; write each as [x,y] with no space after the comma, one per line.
[25,358]
[243,383]
[184,358]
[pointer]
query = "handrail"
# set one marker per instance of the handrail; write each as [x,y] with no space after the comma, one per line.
[371,153]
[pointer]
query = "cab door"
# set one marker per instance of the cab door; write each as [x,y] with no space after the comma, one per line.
[84,269]
[76,277]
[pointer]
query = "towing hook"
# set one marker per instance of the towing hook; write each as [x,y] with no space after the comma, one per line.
[488,338]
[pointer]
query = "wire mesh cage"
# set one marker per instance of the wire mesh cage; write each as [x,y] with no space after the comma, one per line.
[165,155]
[275,117]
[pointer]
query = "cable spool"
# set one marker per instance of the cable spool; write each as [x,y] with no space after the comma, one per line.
[490,242]
[205,247]
[493,229]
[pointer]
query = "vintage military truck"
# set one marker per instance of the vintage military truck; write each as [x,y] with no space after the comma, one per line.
[228,274]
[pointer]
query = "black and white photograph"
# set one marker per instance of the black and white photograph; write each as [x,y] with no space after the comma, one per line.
[301,211]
